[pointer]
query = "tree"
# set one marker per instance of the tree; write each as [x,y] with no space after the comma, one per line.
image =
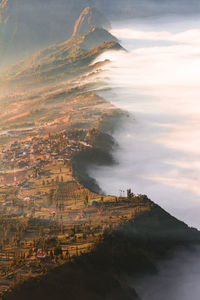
[51,255]
[86,200]
[58,251]
[130,195]
[41,232]
[50,197]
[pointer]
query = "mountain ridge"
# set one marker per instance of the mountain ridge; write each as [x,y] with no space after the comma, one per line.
[88,19]
[132,250]
[66,57]
[27,26]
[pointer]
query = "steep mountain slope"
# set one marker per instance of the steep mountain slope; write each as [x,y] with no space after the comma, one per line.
[42,91]
[89,18]
[132,250]
[29,25]
[62,61]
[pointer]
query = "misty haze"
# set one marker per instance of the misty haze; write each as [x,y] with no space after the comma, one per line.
[157,81]
[99,149]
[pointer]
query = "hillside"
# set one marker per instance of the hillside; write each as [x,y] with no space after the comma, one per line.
[27,26]
[61,237]
[133,249]
[35,89]
[88,19]
[52,90]
[60,62]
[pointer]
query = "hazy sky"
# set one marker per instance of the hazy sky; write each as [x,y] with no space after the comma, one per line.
[145,8]
[178,279]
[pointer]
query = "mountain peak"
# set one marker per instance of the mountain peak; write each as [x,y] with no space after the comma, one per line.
[95,37]
[87,10]
[88,19]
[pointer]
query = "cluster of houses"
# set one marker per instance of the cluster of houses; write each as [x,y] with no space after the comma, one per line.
[38,152]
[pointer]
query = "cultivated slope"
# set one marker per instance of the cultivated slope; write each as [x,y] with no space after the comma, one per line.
[133,250]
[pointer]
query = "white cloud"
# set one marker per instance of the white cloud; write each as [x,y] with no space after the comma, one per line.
[191,36]
[160,85]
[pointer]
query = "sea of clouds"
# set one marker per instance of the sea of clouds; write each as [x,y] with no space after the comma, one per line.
[158,82]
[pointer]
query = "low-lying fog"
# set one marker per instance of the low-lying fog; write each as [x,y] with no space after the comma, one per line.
[178,279]
[158,82]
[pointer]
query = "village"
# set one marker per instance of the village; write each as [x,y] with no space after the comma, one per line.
[37,152]
[31,244]
[46,216]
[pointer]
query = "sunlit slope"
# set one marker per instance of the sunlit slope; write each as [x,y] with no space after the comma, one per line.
[89,18]
[62,61]
[27,25]
[53,88]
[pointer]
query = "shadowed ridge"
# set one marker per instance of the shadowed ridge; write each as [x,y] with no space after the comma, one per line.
[60,61]
[88,19]
[133,249]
